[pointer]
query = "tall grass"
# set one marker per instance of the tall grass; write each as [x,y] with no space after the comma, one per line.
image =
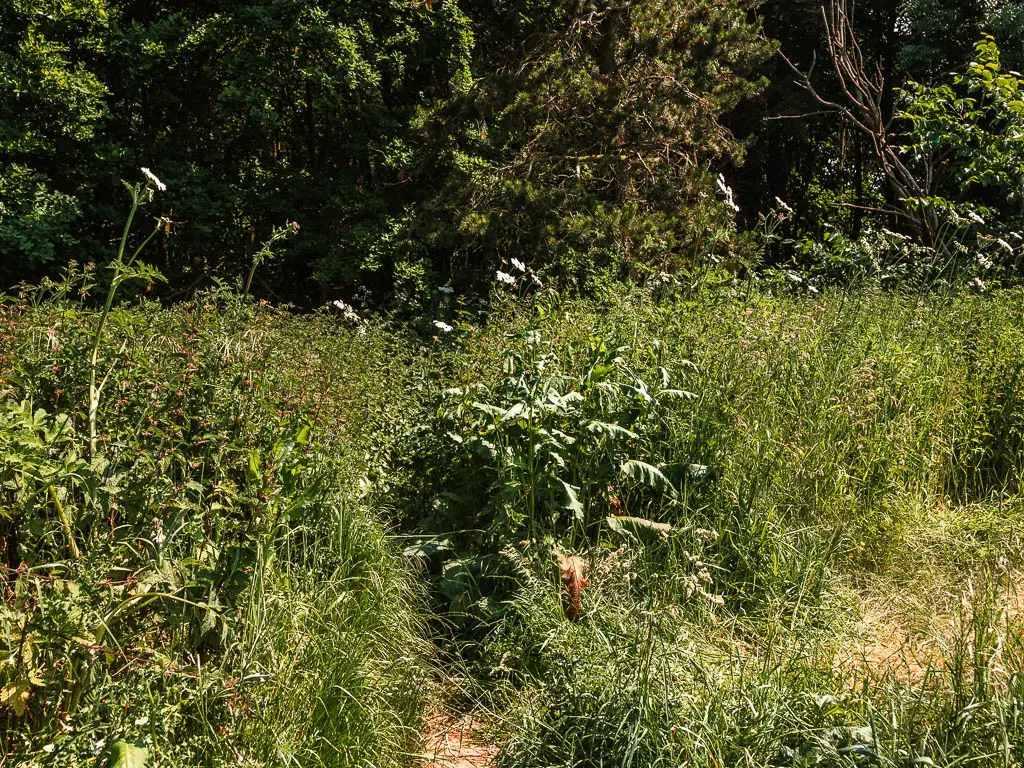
[866,459]
[793,523]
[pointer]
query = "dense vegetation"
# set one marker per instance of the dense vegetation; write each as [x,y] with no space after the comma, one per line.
[651,390]
[793,524]
[421,143]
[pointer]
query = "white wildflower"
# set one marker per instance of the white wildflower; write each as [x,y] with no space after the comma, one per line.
[518,265]
[977,284]
[446,289]
[504,277]
[1005,245]
[347,310]
[152,177]
[442,326]
[985,262]
[536,280]
[727,191]
[783,205]
[973,216]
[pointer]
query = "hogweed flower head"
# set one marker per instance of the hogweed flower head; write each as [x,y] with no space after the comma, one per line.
[152,177]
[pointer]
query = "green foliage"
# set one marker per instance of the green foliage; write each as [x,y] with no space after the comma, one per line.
[939,34]
[969,139]
[254,115]
[401,145]
[586,153]
[659,527]
[37,223]
[210,567]
[650,687]
[545,449]
[863,446]
[52,102]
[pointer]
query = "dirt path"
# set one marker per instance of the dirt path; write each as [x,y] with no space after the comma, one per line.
[457,742]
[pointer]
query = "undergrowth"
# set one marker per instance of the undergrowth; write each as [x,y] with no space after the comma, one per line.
[809,462]
[212,586]
[726,526]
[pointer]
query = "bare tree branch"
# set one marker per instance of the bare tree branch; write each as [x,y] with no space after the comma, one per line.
[863,91]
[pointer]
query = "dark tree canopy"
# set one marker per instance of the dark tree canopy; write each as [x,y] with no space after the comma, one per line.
[420,142]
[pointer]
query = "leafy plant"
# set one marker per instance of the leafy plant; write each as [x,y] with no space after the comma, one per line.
[967,137]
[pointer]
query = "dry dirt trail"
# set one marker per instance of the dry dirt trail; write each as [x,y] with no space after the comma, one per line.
[457,742]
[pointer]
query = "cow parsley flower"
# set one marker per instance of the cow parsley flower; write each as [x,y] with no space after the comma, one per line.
[446,289]
[519,265]
[152,177]
[504,277]
[443,327]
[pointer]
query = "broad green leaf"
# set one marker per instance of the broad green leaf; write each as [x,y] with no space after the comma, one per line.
[636,527]
[572,502]
[125,755]
[647,474]
[490,410]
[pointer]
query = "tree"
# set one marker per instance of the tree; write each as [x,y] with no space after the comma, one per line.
[52,103]
[283,111]
[965,140]
[590,147]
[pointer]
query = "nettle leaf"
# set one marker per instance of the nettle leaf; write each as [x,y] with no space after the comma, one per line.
[647,474]
[125,755]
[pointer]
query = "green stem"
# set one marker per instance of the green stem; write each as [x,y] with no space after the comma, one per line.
[65,521]
[119,268]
